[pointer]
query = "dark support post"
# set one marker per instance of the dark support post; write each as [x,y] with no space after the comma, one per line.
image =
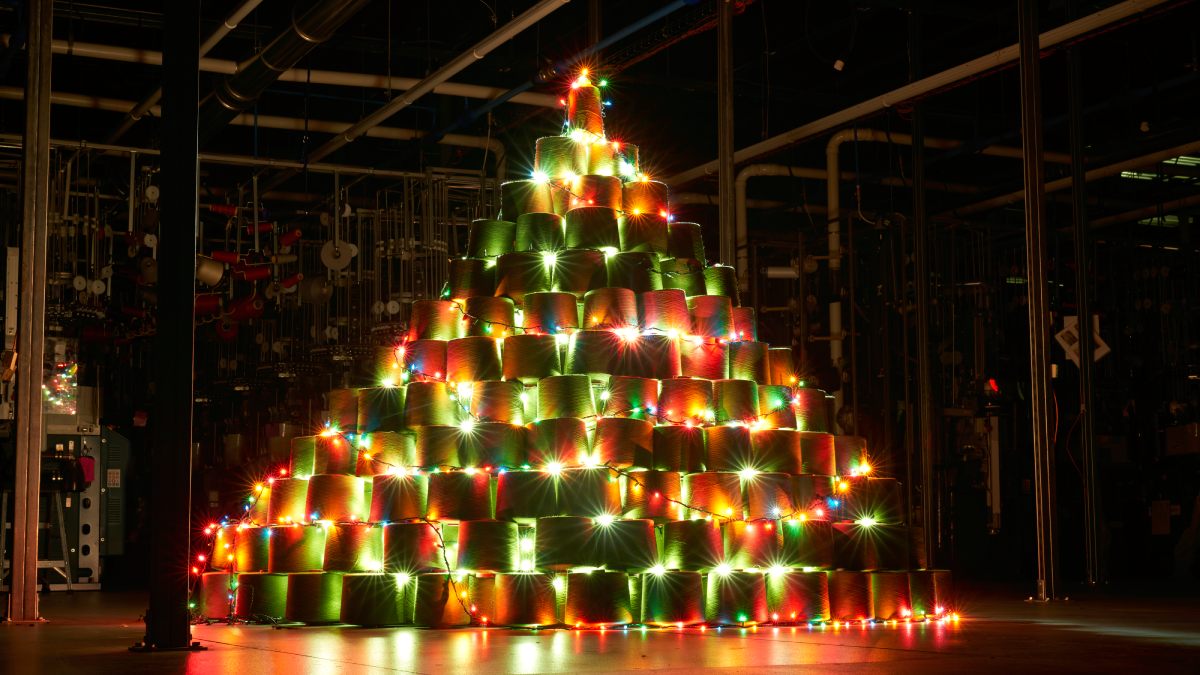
[1039,310]
[1087,447]
[31,318]
[167,624]
[927,441]
[595,22]
[725,177]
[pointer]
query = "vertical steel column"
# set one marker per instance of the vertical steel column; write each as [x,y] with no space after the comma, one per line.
[171,457]
[927,440]
[1087,447]
[1039,310]
[31,319]
[595,23]
[725,177]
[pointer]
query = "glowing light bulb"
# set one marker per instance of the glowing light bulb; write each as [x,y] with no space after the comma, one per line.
[553,468]
[866,521]
[723,570]
[776,570]
[604,520]
[658,570]
[549,258]
[747,474]
[467,425]
[540,177]
[604,395]
[402,579]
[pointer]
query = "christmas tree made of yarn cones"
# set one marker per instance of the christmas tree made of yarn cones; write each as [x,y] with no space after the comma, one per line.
[583,430]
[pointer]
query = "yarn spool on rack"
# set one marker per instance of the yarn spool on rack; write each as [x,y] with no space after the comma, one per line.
[411,548]
[684,397]
[335,497]
[811,409]
[598,598]
[398,497]
[526,495]
[775,406]
[332,453]
[775,450]
[382,408]
[610,308]
[434,320]
[851,453]
[594,353]
[493,444]
[559,157]
[489,238]
[780,369]
[749,544]
[685,274]
[261,596]
[303,452]
[623,442]
[817,453]
[470,359]
[729,448]
[577,271]
[250,549]
[589,492]
[798,597]
[806,543]
[383,451]
[715,493]
[655,356]
[289,497]
[525,600]
[296,548]
[735,400]
[686,240]
[430,404]
[645,232]
[672,598]
[626,545]
[664,310]
[627,160]
[565,396]
[459,495]
[889,596]
[736,598]
[489,316]
[748,360]
[498,400]
[652,494]
[563,542]
[810,491]
[679,448]
[645,196]
[539,231]
[521,197]
[353,547]
[342,406]
[585,109]
[529,358]
[561,441]
[602,157]
[437,446]
[744,323]
[591,227]
[722,280]
[708,360]
[629,396]
[471,277]
[598,191]
[692,545]
[377,599]
[637,271]
[520,273]
[712,316]
[849,595]
[551,311]
[930,591]
[440,600]
[213,597]
[489,545]
[768,495]
[424,359]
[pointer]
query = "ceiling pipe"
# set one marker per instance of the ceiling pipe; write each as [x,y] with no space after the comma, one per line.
[427,85]
[1064,183]
[231,22]
[494,147]
[558,68]
[1066,33]
[1147,212]
[241,90]
[301,75]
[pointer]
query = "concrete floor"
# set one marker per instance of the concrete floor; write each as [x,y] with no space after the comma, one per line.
[89,633]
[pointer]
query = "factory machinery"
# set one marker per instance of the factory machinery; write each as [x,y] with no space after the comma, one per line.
[580,429]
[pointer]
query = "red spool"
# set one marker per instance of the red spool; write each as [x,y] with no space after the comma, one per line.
[698,358]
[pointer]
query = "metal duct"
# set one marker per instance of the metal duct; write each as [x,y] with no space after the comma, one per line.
[239,91]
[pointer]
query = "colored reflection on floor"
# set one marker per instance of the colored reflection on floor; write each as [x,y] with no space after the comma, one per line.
[89,632]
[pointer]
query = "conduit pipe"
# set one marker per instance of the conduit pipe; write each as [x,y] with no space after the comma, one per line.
[1146,212]
[493,146]
[1064,183]
[137,111]
[1061,35]
[335,78]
